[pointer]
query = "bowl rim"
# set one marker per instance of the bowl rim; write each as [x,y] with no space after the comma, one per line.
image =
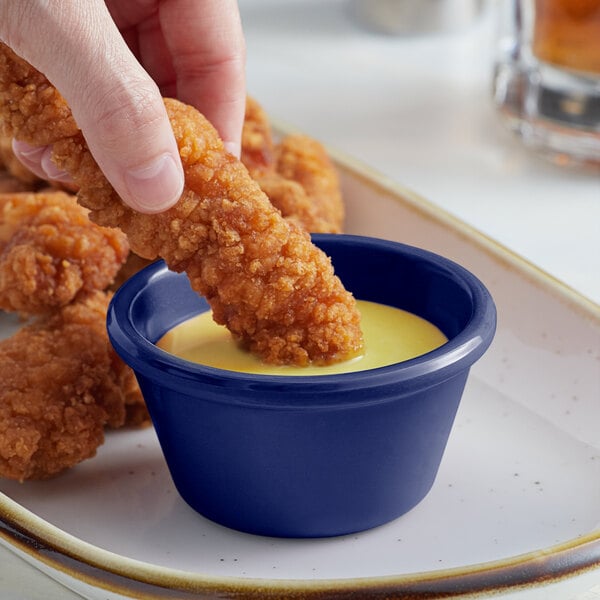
[423,371]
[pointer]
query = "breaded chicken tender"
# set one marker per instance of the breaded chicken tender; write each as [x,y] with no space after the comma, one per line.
[304,160]
[62,384]
[258,148]
[296,174]
[304,186]
[264,279]
[50,252]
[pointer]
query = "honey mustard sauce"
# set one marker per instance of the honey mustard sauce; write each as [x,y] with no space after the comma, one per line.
[391,335]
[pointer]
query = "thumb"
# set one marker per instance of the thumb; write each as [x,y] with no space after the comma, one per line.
[129,135]
[116,104]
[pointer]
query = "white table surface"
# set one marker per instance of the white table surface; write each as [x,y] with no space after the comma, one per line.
[418,109]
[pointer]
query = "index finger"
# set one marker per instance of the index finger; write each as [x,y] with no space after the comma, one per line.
[207,47]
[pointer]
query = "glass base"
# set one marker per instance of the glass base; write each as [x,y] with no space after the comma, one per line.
[554,111]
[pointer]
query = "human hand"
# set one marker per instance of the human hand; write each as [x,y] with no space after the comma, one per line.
[112,61]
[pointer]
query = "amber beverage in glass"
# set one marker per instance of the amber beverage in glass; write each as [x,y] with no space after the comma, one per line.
[547,76]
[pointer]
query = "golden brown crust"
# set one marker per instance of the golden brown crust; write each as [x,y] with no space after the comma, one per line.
[50,252]
[62,381]
[62,385]
[258,150]
[304,185]
[304,160]
[34,112]
[296,174]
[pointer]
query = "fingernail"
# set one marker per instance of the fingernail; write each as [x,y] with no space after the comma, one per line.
[155,186]
[233,148]
[30,152]
[30,157]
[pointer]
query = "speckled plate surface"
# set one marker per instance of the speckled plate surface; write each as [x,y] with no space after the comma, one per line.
[515,508]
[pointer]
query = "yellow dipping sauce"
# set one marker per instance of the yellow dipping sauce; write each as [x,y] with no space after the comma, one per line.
[391,335]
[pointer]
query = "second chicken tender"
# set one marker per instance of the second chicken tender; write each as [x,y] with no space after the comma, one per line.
[264,279]
[258,148]
[62,384]
[296,174]
[50,252]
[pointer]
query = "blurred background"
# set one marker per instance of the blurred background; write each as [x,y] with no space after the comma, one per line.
[413,100]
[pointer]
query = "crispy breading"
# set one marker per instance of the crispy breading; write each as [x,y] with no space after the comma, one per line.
[296,174]
[264,279]
[258,150]
[50,252]
[62,384]
[304,160]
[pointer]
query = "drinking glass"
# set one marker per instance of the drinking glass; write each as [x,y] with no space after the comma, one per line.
[547,76]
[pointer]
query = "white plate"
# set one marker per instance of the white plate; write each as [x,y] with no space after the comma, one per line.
[516,502]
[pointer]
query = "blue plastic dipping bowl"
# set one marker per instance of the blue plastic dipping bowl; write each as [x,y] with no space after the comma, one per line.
[309,456]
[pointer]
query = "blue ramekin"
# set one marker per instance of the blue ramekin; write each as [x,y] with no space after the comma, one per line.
[309,456]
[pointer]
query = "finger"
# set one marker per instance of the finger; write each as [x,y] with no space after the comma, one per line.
[30,157]
[206,43]
[114,101]
[139,25]
[154,54]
